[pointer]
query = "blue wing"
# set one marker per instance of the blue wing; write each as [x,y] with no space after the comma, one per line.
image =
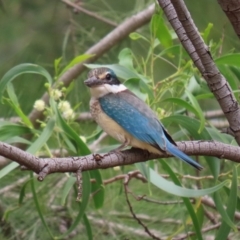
[133,115]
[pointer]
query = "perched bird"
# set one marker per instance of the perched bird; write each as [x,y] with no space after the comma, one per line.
[127,118]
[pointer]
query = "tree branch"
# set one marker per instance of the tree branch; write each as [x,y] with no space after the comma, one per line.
[44,166]
[89,13]
[232,10]
[181,21]
[101,47]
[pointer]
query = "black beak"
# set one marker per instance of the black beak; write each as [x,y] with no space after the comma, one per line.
[93,81]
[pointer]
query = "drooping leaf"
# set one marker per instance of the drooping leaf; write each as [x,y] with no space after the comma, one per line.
[159,29]
[230,59]
[88,227]
[185,200]
[15,105]
[67,188]
[228,214]
[207,31]
[136,36]
[22,69]
[10,130]
[126,59]
[197,107]
[171,188]
[182,103]
[83,204]
[76,60]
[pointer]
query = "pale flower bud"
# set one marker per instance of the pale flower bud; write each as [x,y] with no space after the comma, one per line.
[68,114]
[39,105]
[56,94]
[64,106]
[117,168]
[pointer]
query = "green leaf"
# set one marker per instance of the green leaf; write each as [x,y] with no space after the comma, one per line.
[227,190]
[219,205]
[39,210]
[83,204]
[21,69]
[15,105]
[56,65]
[230,59]
[200,114]
[133,85]
[11,166]
[228,214]
[205,96]
[22,192]
[43,137]
[67,188]
[207,31]
[159,29]
[185,200]
[125,58]
[37,144]
[182,103]
[144,169]
[136,36]
[88,227]
[172,51]
[227,72]
[17,139]
[77,60]
[97,188]
[10,130]
[173,189]
[81,147]
[8,211]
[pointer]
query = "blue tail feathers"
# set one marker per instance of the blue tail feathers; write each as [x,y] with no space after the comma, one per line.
[182,156]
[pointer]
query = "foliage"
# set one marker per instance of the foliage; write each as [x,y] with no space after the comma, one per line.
[183,96]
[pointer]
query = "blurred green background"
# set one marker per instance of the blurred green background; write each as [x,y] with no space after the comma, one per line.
[42,31]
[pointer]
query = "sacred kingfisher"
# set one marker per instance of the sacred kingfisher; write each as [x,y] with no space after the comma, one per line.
[128,119]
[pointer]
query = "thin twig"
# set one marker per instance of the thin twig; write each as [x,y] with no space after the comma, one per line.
[126,190]
[91,14]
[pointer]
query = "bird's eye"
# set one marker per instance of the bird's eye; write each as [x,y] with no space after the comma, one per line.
[108,76]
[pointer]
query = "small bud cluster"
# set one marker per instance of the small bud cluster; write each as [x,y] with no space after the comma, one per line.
[66,110]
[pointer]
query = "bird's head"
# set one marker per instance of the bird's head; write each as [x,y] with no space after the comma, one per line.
[102,81]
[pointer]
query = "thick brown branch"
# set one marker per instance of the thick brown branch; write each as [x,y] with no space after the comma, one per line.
[44,166]
[180,19]
[232,10]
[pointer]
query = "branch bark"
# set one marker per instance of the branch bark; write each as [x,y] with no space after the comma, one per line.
[44,166]
[232,10]
[181,21]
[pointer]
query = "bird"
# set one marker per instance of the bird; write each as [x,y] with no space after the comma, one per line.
[128,119]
